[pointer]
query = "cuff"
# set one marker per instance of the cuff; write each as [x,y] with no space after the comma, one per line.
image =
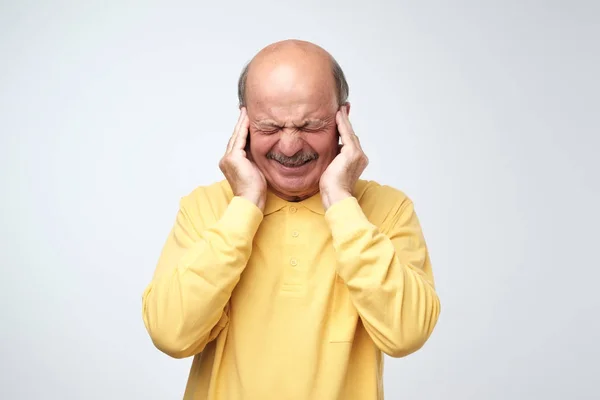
[345,218]
[242,217]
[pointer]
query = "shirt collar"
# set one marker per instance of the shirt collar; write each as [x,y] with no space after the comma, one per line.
[275,203]
[313,203]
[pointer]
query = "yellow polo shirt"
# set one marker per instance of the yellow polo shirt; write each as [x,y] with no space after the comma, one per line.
[293,303]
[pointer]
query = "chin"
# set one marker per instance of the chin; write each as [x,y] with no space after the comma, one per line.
[295,186]
[300,182]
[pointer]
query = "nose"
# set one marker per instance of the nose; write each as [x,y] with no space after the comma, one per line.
[289,143]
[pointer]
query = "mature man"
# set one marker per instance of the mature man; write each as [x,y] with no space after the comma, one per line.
[290,278]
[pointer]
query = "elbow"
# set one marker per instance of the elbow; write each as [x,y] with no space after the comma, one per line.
[404,346]
[170,337]
[171,343]
[411,337]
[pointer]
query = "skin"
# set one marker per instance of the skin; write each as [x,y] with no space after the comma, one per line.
[292,120]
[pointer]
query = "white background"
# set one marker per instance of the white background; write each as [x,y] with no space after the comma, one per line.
[484,113]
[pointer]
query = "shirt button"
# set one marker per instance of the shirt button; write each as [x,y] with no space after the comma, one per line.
[293,262]
[295,234]
[293,209]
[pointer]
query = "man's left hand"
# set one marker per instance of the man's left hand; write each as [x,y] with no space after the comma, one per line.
[338,180]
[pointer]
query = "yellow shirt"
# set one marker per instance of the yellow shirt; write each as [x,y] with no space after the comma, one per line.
[295,302]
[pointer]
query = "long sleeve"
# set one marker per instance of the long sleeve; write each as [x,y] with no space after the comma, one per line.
[185,305]
[388,273]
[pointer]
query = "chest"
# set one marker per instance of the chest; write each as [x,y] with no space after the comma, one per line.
[292,255]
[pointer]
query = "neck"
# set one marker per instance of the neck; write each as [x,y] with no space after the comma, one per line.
[293,197]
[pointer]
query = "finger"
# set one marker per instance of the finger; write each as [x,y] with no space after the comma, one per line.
[353,134]
[345,128]
[241,137]
[235,130]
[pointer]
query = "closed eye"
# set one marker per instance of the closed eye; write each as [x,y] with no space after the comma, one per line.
[313,129]
[268,131]
[312,126]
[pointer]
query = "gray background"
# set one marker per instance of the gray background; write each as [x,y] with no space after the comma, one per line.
[484,113]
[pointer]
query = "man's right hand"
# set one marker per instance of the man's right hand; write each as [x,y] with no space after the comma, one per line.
[243,175]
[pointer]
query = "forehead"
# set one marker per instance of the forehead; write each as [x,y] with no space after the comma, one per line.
[290,92]
[291,105]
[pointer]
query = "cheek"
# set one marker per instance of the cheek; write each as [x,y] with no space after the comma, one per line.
[325,145]
[260,144]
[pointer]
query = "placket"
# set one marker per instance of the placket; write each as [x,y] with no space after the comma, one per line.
[294,262]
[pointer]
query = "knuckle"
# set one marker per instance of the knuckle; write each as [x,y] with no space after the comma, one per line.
[226,160]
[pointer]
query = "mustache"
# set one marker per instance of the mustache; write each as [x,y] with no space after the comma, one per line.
[294,161]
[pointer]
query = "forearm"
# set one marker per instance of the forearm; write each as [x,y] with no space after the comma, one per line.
[397,306]
[392,294]
[184,305]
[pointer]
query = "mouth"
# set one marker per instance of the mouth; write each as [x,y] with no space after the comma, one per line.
[293,165]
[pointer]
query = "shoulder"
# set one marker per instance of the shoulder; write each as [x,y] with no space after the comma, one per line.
[216,191]
[380,195]
[207,202]
[379,201]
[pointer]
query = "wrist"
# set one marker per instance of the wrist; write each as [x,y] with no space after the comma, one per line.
[257,199]
[330,197]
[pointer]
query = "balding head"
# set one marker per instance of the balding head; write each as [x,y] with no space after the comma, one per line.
[298,54]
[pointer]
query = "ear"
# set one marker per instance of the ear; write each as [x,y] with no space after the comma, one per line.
[347,105]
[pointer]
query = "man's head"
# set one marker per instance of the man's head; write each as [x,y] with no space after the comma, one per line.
[292,91]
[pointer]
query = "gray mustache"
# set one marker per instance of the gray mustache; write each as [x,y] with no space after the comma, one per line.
[293,161]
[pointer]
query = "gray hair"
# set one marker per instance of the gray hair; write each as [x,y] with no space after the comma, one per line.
[341,85]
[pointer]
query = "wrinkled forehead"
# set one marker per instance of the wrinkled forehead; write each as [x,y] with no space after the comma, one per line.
[284,89]
[292,109]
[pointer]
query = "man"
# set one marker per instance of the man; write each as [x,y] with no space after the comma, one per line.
[290,278]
